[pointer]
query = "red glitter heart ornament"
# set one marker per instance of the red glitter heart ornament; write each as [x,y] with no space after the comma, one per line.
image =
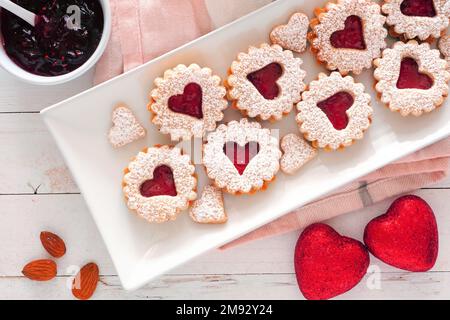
[241,156]
[406,236]
[328,264]
[418,8]
[335,107]
[411,78]
[190,102]
[351,37]
[162,183]
[265,80]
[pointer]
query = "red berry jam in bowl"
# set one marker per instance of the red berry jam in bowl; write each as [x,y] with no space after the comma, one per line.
[63,39]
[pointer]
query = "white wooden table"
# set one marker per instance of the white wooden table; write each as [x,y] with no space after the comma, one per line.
[37,193]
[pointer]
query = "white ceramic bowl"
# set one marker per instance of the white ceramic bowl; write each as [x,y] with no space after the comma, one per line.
[29,77]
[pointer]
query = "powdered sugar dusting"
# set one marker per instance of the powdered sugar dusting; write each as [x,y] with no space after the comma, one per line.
[314,123]
[297,152]
[160,209]
[292,36]
[415,26]
[262,167]
[209,208]
[126,128]
[411,101]
[248,97]
[181,126]
[343,59]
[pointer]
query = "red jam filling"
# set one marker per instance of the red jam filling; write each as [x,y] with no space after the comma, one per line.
[352,37]
[418,8]
[241,156]
[190,102]
[52,48]
[265,80]
[335,107]
[162,183]
[411,78]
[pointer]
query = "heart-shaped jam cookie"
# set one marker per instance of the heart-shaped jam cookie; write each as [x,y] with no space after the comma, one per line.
[410,19]
[162,183]
[189,102]
[266,82]
[209,208]
[328,264]
[334,112]
[348,35]
[351,37]
[126,128]
[335,107]
[292,36]
[406,236]
[411,78]
[159,183]
[241,157]
[418,8]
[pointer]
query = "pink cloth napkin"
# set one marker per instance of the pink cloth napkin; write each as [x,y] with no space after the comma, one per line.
[145,29]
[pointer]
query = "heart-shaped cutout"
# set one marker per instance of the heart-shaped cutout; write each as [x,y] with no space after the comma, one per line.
[292,36]
[418,8]
[126,128]
[351,37]
[406,236]
[241,156]
[335,107]
[265,80]
[411,78]
[328,264]
[190,102]
[162,183]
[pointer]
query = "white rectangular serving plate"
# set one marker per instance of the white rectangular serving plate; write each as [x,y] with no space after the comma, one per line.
[142,251]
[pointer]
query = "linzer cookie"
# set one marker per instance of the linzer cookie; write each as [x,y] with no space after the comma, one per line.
[348,35]
[187,102]
[159,183]
[292,36]
[296,153]
[266,82]
[241,157]
[334,112]
[126,128]
[417,18]
[209,209]
[411,78]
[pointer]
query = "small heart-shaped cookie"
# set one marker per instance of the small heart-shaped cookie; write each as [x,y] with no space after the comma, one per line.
[328,264]
[296,153]
[405,237]
[444,46]
[292,36]
[209,209]
[126,127]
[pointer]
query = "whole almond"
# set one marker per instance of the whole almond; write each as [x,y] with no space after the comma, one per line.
[40,270]
[54,245]
[85,282]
